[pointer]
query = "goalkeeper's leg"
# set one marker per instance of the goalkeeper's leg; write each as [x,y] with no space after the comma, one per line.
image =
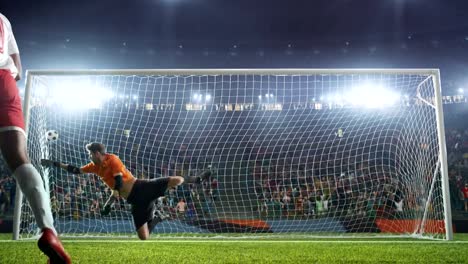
[144,194]
[156,218]
[142,197]
[144,219]
[145,229]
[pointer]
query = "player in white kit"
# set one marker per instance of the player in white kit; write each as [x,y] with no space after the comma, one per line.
[13,146]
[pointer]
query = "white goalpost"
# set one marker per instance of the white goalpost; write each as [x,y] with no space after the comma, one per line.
[293,152]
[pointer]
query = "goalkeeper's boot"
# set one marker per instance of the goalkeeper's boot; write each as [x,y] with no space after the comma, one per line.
[164,216]
[52,247]
[156,214]
[153,222]
[161,214]
[199,178]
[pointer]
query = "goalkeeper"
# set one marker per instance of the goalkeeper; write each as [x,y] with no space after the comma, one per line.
[141,194]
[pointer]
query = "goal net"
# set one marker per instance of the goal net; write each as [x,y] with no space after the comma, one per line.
[300,152]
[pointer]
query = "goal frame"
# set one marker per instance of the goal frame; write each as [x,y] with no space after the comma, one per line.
[433,73]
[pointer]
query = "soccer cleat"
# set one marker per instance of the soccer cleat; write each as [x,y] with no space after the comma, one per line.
[153,222]
[163,215]
[52,247]
[160,213]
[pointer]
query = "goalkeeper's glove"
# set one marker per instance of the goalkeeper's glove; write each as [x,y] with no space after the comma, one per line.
[49,163]
[199,178]
[106,210]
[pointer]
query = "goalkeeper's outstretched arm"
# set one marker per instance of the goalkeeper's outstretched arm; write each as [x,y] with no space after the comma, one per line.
[58,164]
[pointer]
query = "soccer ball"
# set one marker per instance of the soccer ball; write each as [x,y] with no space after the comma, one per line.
[52,135]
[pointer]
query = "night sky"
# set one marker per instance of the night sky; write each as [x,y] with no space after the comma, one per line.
[244,34]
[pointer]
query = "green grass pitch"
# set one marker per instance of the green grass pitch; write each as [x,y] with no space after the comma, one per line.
[239,250]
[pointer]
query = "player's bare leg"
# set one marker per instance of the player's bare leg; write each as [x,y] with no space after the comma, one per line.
[143,232]
[13,148]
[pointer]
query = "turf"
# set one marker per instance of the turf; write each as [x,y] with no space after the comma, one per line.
[190,250]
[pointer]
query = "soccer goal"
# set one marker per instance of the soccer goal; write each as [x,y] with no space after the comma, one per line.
[301,152]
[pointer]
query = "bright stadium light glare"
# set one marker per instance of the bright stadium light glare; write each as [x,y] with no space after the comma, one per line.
[79,95]
[461,91]
[42,92]
[337,99]
[371,95]
[197,97]
[207,97]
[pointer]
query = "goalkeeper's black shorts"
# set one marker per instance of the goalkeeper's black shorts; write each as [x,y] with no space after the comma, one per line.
[142,198]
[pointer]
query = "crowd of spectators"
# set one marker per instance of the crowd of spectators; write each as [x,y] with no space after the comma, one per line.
[457,157]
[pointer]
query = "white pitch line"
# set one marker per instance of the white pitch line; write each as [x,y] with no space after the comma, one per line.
[247,241]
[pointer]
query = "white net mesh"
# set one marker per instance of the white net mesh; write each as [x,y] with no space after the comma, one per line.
[319,154]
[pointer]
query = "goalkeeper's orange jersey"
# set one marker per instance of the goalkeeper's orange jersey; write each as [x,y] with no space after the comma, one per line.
[110,166]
